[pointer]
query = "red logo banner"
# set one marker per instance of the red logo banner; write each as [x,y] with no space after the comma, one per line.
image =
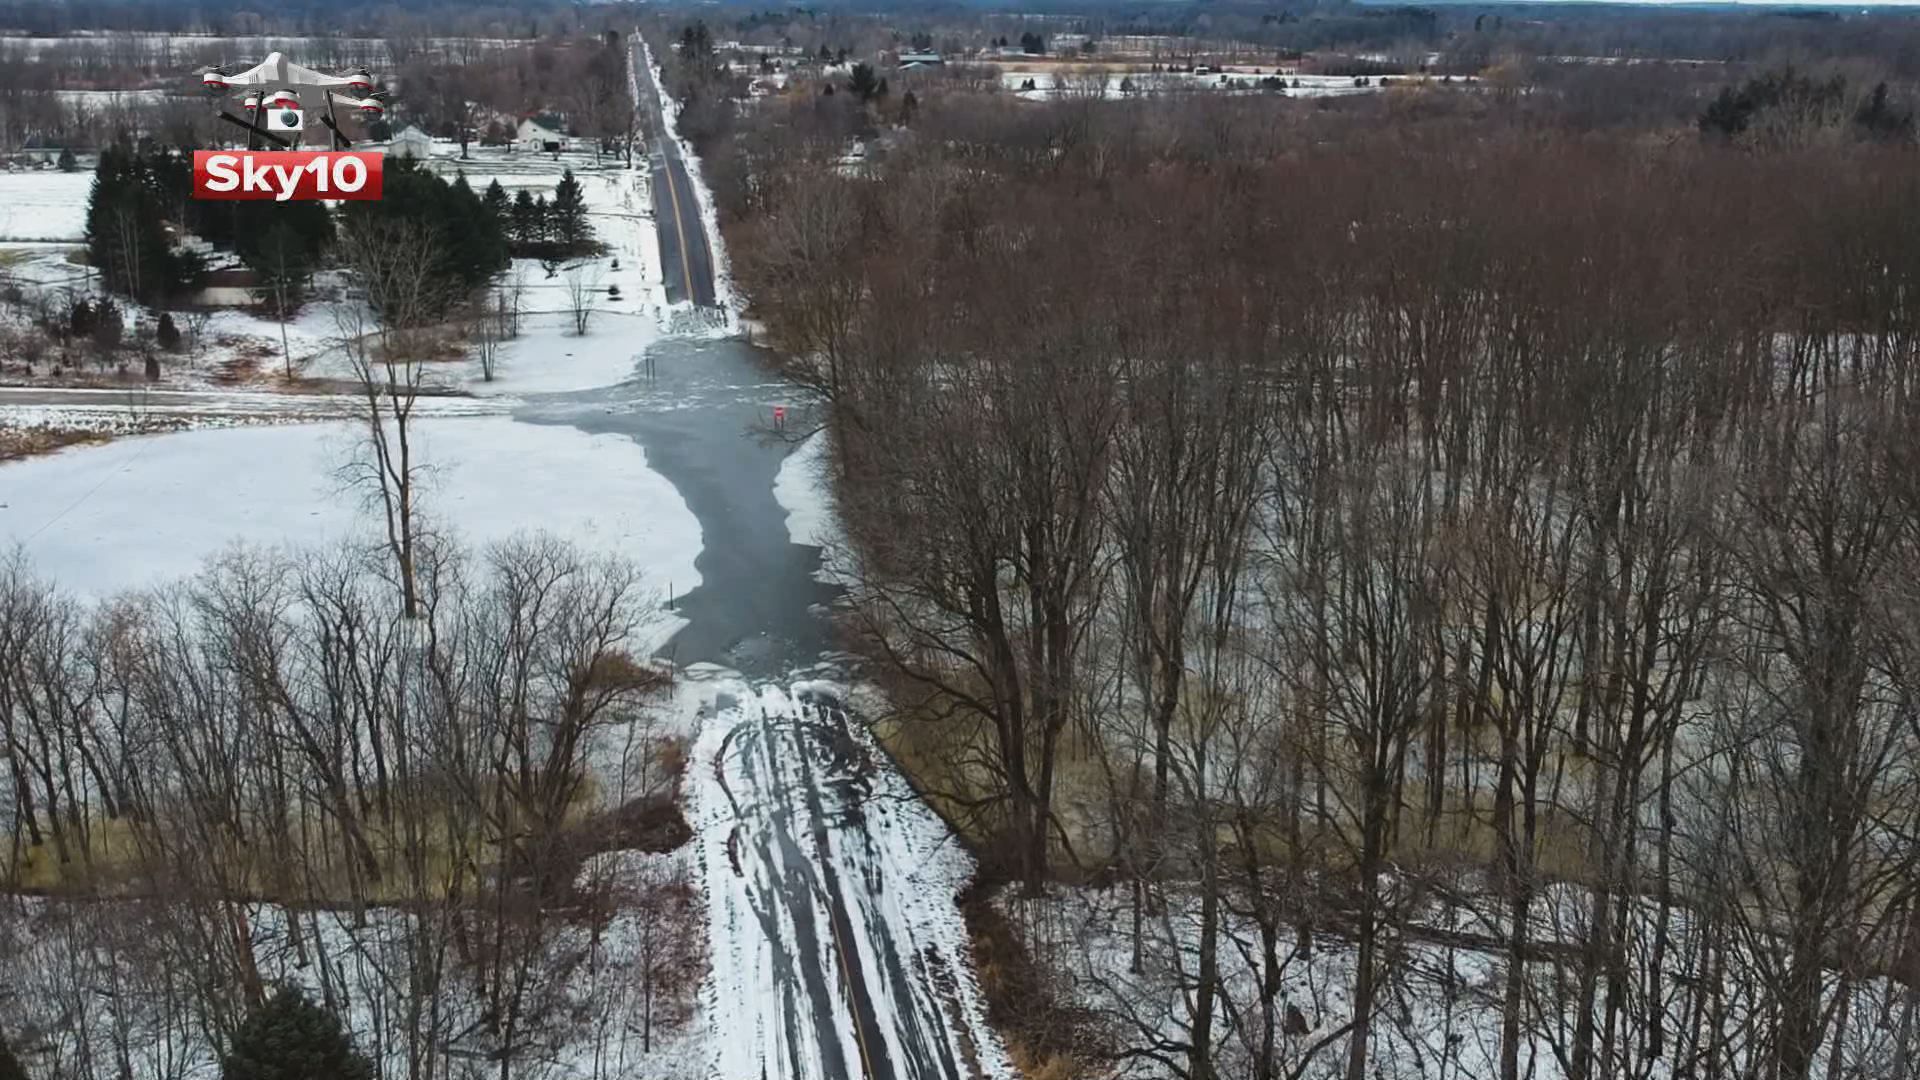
[284,175]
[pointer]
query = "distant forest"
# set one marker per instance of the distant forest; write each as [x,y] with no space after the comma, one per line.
[1729,33]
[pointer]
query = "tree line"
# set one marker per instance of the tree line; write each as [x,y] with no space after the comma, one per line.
[1455,536]
[139,190]
[271,775]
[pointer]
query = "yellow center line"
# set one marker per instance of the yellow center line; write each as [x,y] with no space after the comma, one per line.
[679,226]
[853,1007]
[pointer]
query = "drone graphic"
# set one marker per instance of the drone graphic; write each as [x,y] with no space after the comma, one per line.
[269,94]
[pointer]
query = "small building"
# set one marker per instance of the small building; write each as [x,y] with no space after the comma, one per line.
[411,142]
[541,135]
[46,152]
[910,60]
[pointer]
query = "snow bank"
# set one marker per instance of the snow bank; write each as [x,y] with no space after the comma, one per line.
[805,492]
[801,489]
[141,511]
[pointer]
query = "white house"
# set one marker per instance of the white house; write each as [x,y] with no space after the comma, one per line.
[411,143]
[538,138]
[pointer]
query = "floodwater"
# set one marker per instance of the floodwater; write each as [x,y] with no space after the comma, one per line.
[703,411]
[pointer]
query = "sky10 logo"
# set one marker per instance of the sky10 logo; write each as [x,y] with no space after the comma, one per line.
[287,175]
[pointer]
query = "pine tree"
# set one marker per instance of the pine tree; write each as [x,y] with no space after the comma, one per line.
[81,319]
[526,225]
[542,224]
[862,82]
[290,1038]
[168,332]
[67,161]
[567,217]
[280,260]
[498,205]
[125,231]
[476,243]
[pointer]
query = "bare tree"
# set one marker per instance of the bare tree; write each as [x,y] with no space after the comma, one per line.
[583,296]
[385,339]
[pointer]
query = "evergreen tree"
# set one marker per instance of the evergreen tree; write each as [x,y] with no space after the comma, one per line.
[270,234]
[168,333]
[498,205]
[863,83]
[477,243]
[282,263]
[67,161]
[467,250]
[1879,119]
[290,1038]
[567,217]
[696,41]
[109,325]
[81,319]
[133,195]
[542,234]
[526,222]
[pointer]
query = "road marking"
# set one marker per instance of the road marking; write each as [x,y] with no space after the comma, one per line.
[853,1007]
[679,226]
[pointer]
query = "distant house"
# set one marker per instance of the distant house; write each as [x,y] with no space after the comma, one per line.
[411,143]
[44,151]
[541,135]
[910,60]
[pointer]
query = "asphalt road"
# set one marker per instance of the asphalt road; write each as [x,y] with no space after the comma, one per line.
[685,253]
[852,994]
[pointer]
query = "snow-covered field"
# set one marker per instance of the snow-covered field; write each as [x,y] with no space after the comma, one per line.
[42,213]
[200,48]
[44,204]
[145,510]
[109,99]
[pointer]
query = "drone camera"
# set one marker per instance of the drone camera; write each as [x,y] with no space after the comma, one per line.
[284,119]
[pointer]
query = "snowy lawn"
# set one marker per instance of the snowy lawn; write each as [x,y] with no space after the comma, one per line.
[548,356]
[44,205]
[142,511]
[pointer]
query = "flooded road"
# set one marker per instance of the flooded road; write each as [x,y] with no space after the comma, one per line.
[704,417]
[837,951]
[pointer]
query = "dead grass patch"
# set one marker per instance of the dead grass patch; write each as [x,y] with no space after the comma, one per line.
[1047,1038]
[18,443]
